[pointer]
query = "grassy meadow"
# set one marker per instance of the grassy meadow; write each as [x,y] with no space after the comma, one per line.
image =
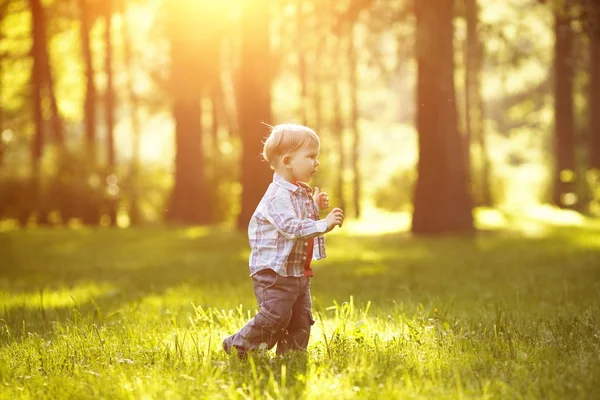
[512,312]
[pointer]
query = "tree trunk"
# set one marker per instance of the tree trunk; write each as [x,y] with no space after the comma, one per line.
[322,10]
[474,102]
[442,202]
[89,105]
[337,66]
[300,34]
[58,134]
[57,131]
[254,104]
[486,194]
[214,114]
[37,84]
[109,106]
[134,105]
[190,201]
[2,139]
[594,96]
[42,88]
[353,65]
[564,140]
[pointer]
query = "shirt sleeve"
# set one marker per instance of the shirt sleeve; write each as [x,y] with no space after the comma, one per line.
[280,212]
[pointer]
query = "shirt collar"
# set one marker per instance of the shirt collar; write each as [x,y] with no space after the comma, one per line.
[282,182]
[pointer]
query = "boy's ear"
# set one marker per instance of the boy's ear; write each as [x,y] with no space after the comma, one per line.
[285,160]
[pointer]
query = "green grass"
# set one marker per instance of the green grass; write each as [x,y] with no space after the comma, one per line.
[140,314]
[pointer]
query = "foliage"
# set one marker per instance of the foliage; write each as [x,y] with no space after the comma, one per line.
[397,193]
[516,88]
[69,188]
[140,313]
[592,179]
[223,182]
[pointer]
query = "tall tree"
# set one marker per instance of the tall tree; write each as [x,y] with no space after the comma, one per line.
[89,105]
[302,64]
[3,7]
[109,107]
[87,209]
[254,104]
[2,139]
[134,105]
[442,201]
[337,126]
[564,127]
[43,92]
[594,91]
[321,33]
[355,157]
[474,101]
[190,201]
[37,83]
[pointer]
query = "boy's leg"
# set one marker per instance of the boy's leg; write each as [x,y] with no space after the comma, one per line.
[276,296]
[297,332]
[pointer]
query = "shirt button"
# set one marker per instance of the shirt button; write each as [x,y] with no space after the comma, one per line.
[306,243]
[304,258]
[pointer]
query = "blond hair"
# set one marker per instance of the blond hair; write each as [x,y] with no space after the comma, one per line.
[287,138]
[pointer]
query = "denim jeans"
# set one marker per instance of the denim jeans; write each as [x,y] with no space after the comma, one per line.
[284,319]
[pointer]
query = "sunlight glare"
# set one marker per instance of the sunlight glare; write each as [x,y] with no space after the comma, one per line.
[490,218]
[57,298]
[7,136]
[196,232]
[123,220]
[554,215]
[377,222]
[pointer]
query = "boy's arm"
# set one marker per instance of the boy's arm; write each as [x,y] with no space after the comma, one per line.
[282,215]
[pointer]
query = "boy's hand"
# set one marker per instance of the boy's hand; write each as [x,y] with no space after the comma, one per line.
[335,217]
[321,199]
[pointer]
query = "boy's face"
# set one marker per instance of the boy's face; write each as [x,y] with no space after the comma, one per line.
[302,164]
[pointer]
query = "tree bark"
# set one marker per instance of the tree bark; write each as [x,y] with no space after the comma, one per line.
[338,124]
[58,134]
[2,139]
[254,105]
[322,11]
[89,105]
[442,202]
[594,94]
[215,106]
[57,130]
[564,139]
[190,201]
[109,107]
[474,102]
[37,84]
[135,216]
[355,160]
[300,46]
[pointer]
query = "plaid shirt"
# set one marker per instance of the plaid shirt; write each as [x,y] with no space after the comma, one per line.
[284,221]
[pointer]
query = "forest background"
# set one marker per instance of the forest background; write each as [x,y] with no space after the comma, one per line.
[147,112]
[461,137]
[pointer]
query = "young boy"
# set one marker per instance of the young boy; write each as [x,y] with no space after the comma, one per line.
[285,234]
